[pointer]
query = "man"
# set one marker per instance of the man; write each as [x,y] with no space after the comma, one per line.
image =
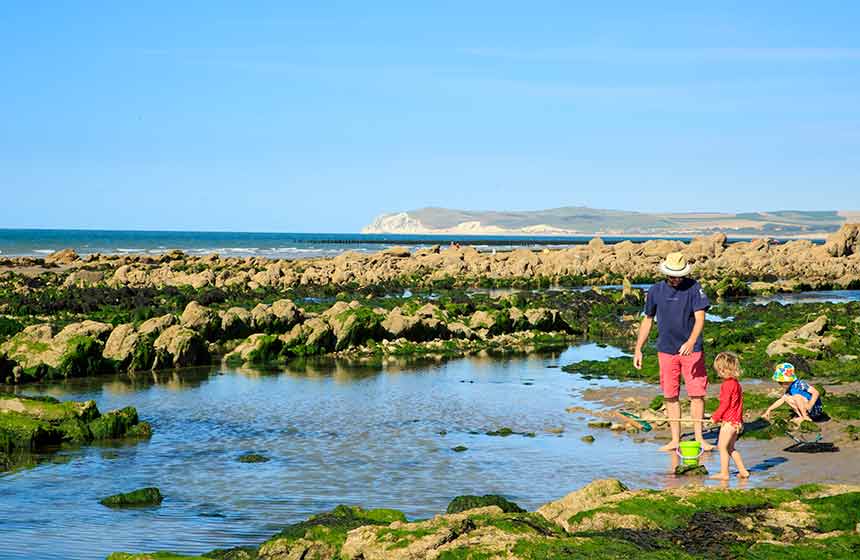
[678,304]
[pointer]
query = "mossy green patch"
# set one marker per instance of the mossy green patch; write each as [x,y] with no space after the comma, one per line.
[588,548]
[845,547]
[141,497]
[668,511]
[30,423]
[114,424]
[268,349]
[463,503]
[154,556]
[331,527]
[617,368]
[842,407]
[21,432]
[836,513]
[82,357]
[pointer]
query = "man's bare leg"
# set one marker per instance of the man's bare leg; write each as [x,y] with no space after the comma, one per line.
[673,410]
[697,412]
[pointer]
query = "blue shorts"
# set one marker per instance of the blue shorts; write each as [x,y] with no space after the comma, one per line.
[817,411]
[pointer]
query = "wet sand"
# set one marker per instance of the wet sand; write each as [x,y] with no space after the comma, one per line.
[764,458]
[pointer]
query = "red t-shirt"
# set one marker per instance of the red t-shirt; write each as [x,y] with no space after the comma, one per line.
[731,407]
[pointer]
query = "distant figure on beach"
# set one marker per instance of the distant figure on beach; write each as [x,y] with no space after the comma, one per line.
[678,304]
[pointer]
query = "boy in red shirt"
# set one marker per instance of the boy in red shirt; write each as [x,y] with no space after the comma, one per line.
[730,414]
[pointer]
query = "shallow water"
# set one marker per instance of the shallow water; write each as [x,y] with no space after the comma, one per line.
[334,433]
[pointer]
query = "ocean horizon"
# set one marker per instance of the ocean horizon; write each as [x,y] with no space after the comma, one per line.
[290,245]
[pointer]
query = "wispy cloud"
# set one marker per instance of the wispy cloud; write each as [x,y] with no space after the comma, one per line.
[667,55]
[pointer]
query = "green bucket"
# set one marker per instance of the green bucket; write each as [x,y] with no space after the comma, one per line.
[690,451]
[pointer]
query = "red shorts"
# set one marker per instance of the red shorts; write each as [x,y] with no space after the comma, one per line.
[692,367]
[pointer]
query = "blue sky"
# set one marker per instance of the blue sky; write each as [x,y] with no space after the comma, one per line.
[317,116]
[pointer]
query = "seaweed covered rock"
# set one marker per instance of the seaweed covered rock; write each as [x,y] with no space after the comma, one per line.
[179,346]
[463,503]
[586,498]
[141,497]
[809,339]
[354,325]
[156,325]
[544,319]
[129,349]
[418,327]
[30,423]
[202,320]
[279,317]
[236,322]
[73,352]
[486,532]
[252,458]
[603,520]
[257,348]
[121,343]
[321,536]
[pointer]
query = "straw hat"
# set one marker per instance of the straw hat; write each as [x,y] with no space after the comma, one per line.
[675,265]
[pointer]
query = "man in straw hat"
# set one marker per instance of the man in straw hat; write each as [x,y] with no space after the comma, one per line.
[678,303]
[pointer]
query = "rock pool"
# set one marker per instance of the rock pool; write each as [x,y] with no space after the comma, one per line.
[333,433]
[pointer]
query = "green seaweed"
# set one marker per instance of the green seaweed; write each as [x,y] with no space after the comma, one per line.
[463,503]
[836,513]
[141,497]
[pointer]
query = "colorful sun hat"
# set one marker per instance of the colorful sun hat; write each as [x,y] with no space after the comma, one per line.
[675,265]
[784,373]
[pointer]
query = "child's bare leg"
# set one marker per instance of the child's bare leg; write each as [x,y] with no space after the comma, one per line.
[724,444]
[739,463]
[736,456]
[798,404]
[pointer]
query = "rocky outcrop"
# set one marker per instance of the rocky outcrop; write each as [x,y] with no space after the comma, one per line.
[834,263]
[810,339]
[586,498]
[845,242]
[64,256]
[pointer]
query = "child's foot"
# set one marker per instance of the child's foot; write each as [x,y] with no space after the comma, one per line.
[705,445]
[743,474]
[671,446]
[719,476]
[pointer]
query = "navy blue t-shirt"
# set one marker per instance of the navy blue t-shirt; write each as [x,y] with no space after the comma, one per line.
[674,309]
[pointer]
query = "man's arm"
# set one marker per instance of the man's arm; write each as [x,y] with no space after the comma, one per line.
[687,348]
[644,332]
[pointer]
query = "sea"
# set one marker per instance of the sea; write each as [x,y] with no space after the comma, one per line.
[41,242]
